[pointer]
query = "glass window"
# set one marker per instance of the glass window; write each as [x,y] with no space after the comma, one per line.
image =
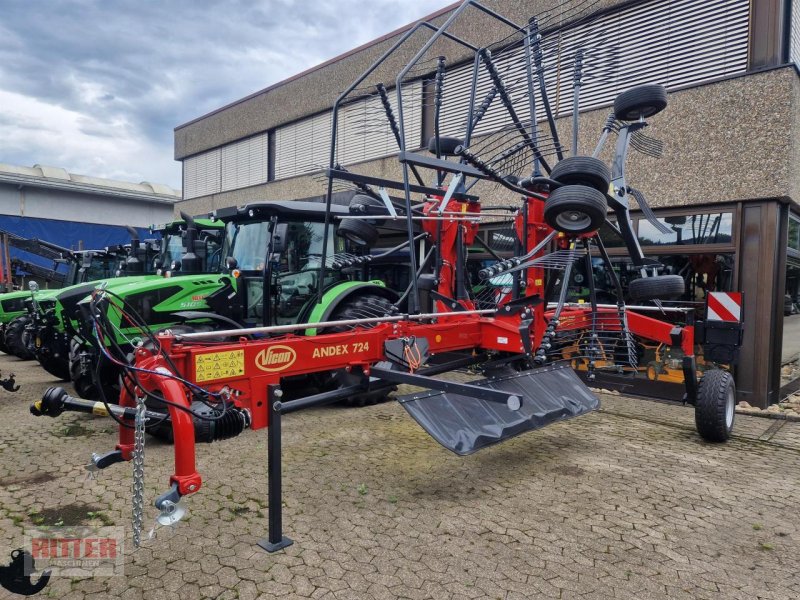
[247,243]
[712,228]
[609,237]
[794,233]
[171,249]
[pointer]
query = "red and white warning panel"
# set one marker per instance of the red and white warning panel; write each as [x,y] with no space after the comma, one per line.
[725,306]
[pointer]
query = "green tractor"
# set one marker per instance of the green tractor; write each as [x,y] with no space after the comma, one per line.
[270,274]
[190,251]
[52,325]
[84,265]
[45,336]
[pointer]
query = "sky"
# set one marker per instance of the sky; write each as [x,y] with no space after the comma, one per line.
[97,86]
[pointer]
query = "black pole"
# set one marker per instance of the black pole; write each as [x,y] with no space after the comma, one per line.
[275,540]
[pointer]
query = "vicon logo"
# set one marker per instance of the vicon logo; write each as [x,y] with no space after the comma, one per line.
[276,358]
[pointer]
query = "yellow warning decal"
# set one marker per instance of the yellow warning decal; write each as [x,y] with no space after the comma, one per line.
[218,365]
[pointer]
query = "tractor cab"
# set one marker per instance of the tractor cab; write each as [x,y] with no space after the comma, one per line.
[274,250]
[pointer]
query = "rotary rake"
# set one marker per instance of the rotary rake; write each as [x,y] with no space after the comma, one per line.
[499,138]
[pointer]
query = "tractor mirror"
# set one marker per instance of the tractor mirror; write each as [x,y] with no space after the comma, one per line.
[231,263]
[280,237]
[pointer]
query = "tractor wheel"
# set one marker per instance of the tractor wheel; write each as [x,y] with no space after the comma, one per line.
[57,366]
[582,170]
[358,231]
[357,308]
[641,101]
[575,209]
[658,287]
[82,382]
[447,145]
[715,410]
[3,347]
[16,338]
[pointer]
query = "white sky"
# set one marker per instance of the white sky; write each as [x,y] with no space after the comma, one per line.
[96,87]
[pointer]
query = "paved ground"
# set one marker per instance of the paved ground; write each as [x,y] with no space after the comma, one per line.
[623,503]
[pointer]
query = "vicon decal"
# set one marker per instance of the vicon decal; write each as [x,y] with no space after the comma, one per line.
[276,358]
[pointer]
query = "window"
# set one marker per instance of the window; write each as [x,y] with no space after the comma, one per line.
[237,165]
[712,228]
[793,241]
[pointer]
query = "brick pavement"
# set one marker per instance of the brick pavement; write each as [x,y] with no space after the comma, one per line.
[627,502]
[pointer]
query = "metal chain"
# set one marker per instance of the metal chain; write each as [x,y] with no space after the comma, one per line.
[138,472]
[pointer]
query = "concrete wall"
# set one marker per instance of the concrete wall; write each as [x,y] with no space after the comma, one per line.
[87,208]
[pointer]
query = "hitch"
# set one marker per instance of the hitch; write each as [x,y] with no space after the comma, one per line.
[16,577]
[10,384]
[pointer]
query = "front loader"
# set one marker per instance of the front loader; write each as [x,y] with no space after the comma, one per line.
[214,385]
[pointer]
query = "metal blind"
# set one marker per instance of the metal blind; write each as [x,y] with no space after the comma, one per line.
[201,174]
[245,163]
[302,146]
[672,42]
[363,134]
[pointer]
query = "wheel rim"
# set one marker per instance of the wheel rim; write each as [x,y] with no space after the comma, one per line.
[573,220]
[730,403]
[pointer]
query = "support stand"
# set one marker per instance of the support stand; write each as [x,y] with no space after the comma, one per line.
[275,539]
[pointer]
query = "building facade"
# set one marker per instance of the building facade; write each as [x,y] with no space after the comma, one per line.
[76,211]
[728,183]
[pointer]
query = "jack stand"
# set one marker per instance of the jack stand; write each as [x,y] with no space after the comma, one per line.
[275,539]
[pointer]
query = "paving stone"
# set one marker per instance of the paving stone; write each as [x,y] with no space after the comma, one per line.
[627,502]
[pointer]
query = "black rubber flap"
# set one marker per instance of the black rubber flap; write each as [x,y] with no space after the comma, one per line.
[465,424]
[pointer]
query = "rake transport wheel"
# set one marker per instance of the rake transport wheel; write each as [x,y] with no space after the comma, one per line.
[15,338]
[358,231]
[658,287]
[582,170]
[715,411]
[641,101]
[447,145]
[357,308]
[575,209]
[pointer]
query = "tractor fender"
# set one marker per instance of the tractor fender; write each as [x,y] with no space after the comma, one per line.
[340,292]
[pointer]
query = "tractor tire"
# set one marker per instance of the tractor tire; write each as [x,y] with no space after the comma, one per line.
[582,170]
[641,101]
[3,348]
[447,145]
[82,382]
[16,339]
[57,366]
[358,231]
[715,410]
[659,287]
[361,204]
[575,209]
[356,307]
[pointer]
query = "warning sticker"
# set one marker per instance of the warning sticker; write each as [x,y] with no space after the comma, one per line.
[218,365]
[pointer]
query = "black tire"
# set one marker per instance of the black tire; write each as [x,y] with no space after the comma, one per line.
[361,204]
[355,307]
[447,145]
[82,382]
[582,170]
[715,410]
[3,347]
[658,287]
[15,338]
[57,366]
[575,209]
[641,101]
[358,231]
